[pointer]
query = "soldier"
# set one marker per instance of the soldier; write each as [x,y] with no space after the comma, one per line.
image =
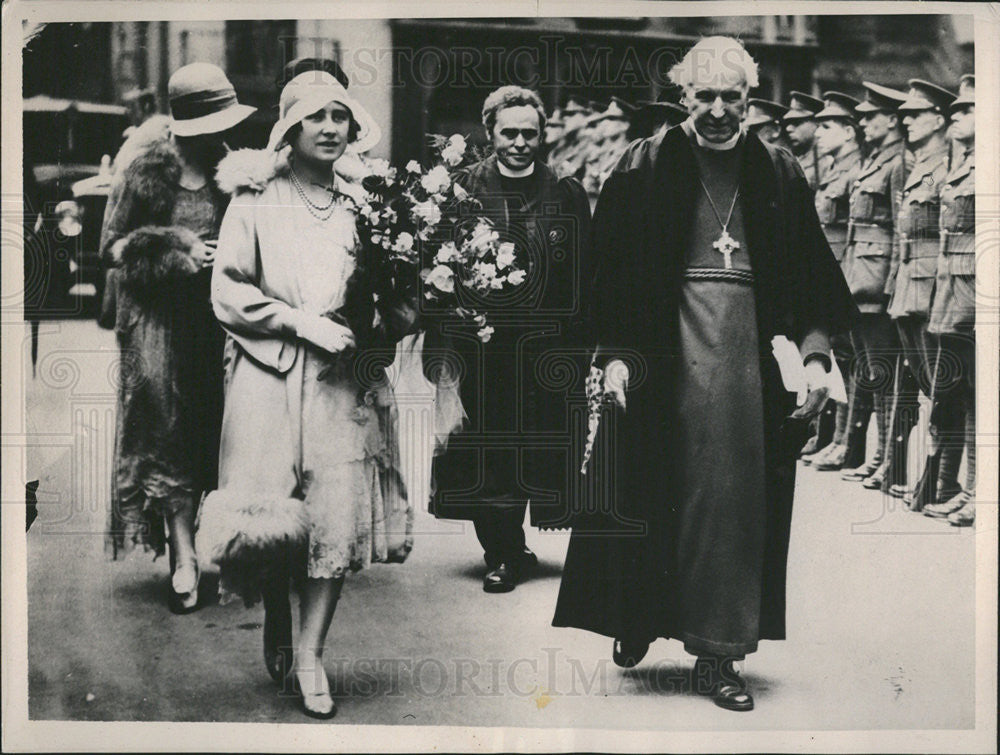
[953,312]
[914,267]
[653,116]
[566,157]
[764,119]
[873,209]
[554,130]
[836,137]
[800,130]
[610,144]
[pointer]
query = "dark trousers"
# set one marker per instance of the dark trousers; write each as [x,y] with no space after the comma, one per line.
[501,532]
[954,415]
[876,344]
[920,353]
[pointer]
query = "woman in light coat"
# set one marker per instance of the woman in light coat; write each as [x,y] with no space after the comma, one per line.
[308,478]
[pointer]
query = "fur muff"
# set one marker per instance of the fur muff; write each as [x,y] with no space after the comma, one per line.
[157,255]
[249,537]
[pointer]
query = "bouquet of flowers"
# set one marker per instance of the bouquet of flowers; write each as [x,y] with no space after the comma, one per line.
[422,237]
[596,400]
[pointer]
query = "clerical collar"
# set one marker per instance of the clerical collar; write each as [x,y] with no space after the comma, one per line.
[690,130]
[508,173]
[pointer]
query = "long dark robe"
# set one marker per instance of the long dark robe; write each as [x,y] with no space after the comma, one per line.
[620,577]
[517,388]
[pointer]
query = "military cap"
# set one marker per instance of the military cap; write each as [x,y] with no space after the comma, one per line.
[880,99]
[764,111]
[838,105]
[802,107]
[926,96]
[616,111]
[574,105]
[966,92]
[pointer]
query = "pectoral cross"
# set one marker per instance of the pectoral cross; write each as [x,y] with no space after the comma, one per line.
[726,245]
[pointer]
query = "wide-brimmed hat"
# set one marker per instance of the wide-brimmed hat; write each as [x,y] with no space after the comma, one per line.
[312,90]
[203,101]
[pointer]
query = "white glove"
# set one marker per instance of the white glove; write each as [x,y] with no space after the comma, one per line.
[616,376]
[324,333]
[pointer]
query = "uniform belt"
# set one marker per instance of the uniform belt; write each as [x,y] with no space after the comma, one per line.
[957,242]
[873,234]
[918,248]
[835,231]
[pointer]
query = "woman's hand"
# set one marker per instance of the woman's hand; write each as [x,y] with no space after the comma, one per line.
[324,333]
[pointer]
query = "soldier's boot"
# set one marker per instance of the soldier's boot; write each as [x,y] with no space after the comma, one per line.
[872,466]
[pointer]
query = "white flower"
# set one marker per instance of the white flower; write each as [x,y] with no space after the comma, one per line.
[436,180]
[428,211]
[497,283]
[480,320]
[380,167]
[516,278]
[404,242]
[413,167]
[454,152]
[485,333]
[447,253]
[485,270]
[442,278]
[505,255]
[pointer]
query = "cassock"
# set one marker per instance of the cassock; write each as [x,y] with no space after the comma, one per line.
[689,534]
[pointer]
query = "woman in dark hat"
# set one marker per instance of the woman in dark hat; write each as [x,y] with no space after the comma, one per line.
[160,234]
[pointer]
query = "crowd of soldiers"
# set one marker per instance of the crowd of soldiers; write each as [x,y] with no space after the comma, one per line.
[894,182]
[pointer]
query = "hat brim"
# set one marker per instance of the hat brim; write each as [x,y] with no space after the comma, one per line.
[213,123]
[870,107]
[917,104]
[760,121]
[797,115]
[960,102]
[369,133]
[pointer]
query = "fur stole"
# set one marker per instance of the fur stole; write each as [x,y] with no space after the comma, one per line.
[250,170]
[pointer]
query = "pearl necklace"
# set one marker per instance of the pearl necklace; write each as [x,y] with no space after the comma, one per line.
[320,212]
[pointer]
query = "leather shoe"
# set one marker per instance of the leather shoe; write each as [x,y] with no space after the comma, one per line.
[861,473]
[944,510]
[965,516]
[831,461]
[501,579]
[528,558]
[727,688]
[899,491]
[627,653]
[819,455]
[811,447]
[875,480]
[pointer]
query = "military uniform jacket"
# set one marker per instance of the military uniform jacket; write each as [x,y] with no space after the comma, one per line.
[914,262]
[812,166]
[832,196]
[954,308]
[874,205]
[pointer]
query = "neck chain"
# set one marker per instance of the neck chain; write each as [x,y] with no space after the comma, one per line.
[725,244]
[320,212]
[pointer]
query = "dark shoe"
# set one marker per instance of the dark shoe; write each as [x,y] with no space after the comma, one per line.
[831,461]
[627,653]
[718,678]
[877,478]
[501,579]
[811,447]
[861,473]
[528,558]
[278,642]
[899,491]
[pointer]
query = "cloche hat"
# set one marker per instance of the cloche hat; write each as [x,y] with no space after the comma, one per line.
[203,101]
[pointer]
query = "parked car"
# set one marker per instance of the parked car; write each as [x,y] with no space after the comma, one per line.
[69,145]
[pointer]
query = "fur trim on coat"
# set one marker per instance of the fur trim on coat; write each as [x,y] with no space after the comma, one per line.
[154,255]
[247,536]
[252,169]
